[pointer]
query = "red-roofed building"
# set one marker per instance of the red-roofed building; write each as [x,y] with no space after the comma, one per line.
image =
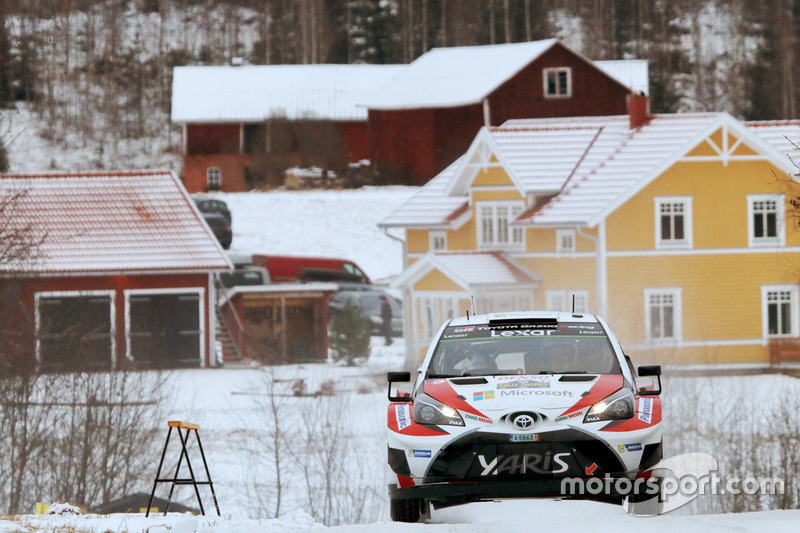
[122,277]
[410,121]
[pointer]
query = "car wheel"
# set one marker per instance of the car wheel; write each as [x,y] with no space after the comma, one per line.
[405,510]
[646,504]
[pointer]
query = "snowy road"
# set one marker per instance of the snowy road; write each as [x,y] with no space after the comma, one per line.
[541,516]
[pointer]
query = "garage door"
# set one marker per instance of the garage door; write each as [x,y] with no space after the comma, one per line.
[164,329]
[74,331]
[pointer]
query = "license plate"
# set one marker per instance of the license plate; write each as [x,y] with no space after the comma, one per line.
[526,437]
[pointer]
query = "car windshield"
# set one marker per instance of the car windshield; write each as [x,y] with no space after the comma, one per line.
[569,348]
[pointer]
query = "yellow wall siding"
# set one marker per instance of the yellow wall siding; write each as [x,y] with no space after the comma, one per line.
[544,240]
[720,298]
[491,176]
[416,241]
[490,195]
[540,240]
[719,204]
[563,274]
[464,238]
[698,355]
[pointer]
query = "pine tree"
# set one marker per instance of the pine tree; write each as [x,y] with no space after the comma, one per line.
[350,334]
[374,28]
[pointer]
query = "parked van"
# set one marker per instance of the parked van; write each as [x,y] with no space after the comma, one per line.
[289,268]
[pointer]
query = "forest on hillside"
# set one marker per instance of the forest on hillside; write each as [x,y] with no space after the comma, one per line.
[97,74]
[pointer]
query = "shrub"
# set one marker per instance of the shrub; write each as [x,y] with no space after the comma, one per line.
[350,334]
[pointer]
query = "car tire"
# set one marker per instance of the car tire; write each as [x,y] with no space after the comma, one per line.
[646,504]
[405,510]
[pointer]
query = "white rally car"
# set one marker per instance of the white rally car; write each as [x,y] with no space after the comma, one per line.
[525,404]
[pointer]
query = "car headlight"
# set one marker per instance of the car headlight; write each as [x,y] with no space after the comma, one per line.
[433,412]
[618,406]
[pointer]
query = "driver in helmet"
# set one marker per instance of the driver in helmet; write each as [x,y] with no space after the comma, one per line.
[563,355]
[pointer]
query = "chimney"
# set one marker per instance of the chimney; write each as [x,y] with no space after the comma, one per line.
[637,109]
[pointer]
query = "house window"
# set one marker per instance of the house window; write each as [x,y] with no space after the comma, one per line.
[673,222]
[437,240]
[663,315]
[213,178]
[565,241]
[559,300]
[779,310]
[494,230]
[765,214]
[504,303]
[558,82]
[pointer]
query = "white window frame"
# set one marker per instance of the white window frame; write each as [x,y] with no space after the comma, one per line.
[201,293]
[214,178]
[677,315]
[437,241]
[555,72]
[565,241]
[561,300]
[780,220]
[686,204]
[785,293]
[494,226]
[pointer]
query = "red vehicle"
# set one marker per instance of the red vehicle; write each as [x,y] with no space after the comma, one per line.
[289,268]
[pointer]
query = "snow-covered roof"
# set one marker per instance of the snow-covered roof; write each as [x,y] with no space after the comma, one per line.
[464,75]
[581,168]
[784,135]
[470,269]
[443,77]
[455,76]
[109,222]
[429,206]
[252,93]
[633,73]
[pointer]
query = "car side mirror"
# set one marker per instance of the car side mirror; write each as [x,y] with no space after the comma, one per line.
[398,377]
[652,385]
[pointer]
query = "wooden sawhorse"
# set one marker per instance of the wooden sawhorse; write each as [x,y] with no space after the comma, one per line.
[175,480]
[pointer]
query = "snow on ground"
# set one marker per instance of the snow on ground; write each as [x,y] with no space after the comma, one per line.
[544,516]
[326,223]
[343,223]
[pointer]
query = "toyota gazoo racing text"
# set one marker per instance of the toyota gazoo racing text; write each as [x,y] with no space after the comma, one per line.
[511,405]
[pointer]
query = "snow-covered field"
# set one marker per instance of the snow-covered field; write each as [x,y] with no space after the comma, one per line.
[231,405]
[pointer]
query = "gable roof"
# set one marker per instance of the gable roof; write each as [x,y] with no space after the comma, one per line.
[456,75]
[470,270]
[464,75]
[582,168]
[441,77]
[110,222]
[253,93]
[784,135]
[633,73]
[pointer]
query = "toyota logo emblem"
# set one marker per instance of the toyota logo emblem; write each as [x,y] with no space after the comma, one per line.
[523,421]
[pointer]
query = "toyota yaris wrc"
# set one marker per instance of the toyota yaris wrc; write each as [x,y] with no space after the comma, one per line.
[527,404]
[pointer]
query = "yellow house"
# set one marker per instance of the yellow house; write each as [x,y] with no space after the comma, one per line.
[675,228]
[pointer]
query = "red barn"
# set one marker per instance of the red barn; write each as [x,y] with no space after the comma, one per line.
[427,116]
[242,123]
[120,272]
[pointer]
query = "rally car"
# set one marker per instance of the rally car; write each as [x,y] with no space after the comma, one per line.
[526,404]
